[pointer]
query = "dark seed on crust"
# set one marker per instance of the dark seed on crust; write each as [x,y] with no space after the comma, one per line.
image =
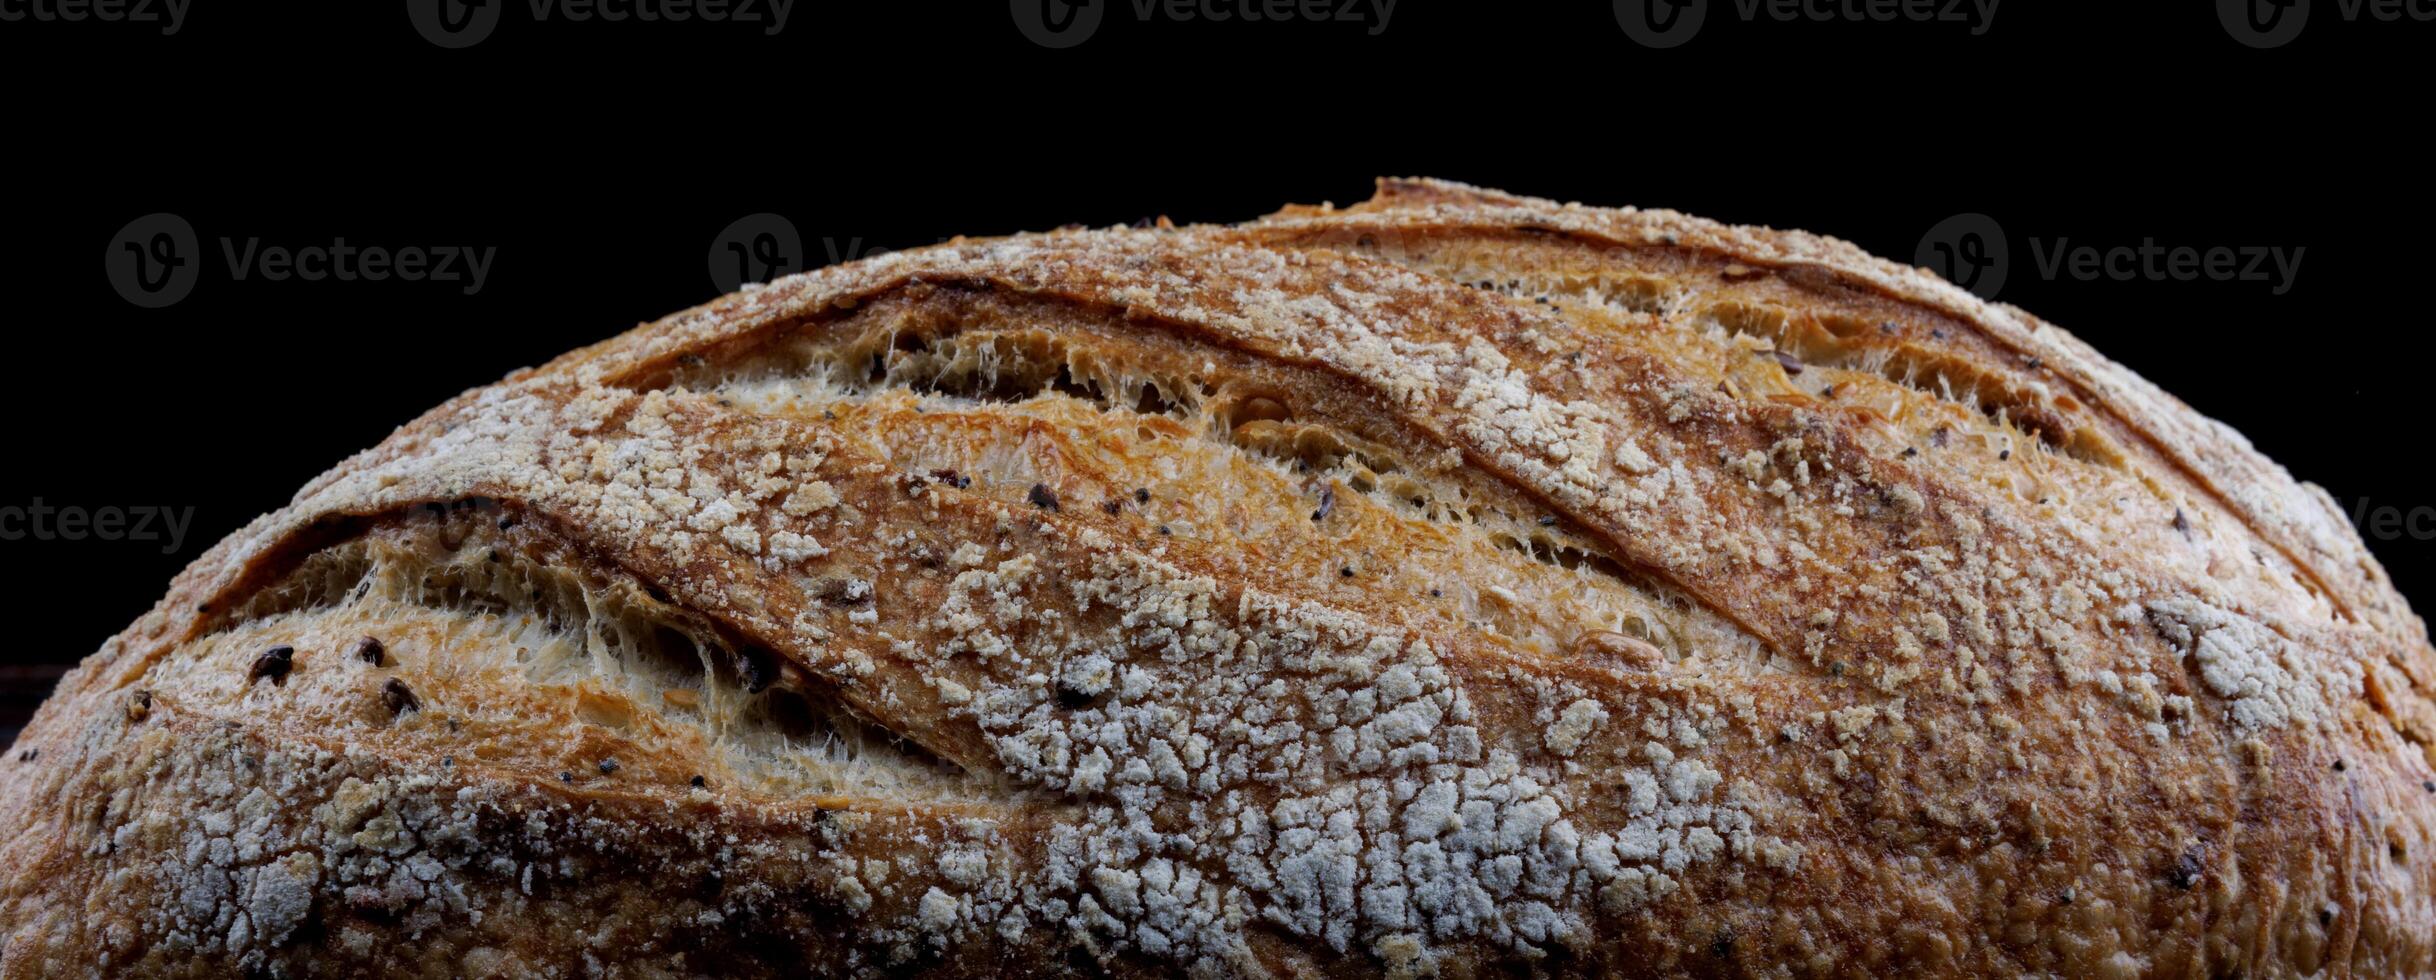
[274,663]
[608,766]
[139,706]
[1141,496]
[370,650]
[844,592]
[697,782]
[2186,872]
[1112,506]
[1327,504]
[1042,497]
[399,698]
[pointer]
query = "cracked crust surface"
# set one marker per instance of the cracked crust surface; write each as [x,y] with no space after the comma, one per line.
[1455,583]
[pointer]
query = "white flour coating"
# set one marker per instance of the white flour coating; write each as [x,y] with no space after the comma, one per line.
[1427,590]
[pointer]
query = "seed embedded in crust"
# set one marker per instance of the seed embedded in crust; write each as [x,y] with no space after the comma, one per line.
[844,591]
[370,651]
[274,663]
[608,766]
[697,782]
[399,698]
[1260,409]
[1618,649]
[1327,504]
[139,706]
[2186,872]
[1042,497]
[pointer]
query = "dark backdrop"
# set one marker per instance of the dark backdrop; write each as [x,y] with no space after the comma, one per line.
[600,160]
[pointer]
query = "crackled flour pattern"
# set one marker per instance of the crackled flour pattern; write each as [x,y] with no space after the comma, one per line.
[1119,721]
[1275,762]
[1307,771]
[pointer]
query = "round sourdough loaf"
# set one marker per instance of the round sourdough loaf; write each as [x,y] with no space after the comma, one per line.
[1456,584]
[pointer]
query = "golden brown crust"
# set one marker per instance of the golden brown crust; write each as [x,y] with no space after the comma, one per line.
[1451,583]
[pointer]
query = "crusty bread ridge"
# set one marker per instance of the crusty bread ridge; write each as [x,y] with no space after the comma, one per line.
[1452,584]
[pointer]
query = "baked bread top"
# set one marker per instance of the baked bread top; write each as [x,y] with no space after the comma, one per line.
[1451,583]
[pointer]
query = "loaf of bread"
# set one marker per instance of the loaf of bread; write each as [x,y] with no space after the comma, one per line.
[1456,584]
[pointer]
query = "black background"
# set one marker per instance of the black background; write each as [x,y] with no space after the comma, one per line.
[601,159]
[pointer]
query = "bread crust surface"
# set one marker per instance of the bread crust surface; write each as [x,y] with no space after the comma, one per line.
[1452,584]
